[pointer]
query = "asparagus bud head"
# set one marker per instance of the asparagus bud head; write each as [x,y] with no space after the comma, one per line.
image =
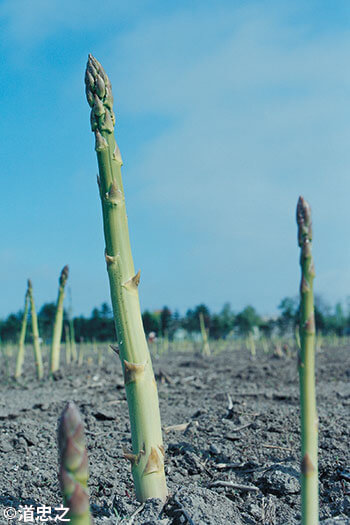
[304,223]
[99,96]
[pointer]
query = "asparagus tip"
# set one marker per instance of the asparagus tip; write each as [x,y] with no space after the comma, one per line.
[99,96]
[303,216]
[70,419]
[64,275]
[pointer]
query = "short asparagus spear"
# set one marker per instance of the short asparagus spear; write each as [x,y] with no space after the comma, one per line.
[147,447]
[35,330]
[21,346]
[73,466]
[309,421]
[58,323]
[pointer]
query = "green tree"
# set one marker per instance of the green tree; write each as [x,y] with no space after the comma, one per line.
[322,313]
[165,319]
[289,308]
[246,320]
[101,325]
[11,327]
[46,318]
[221,324]
[191,321]
[336,322]
[151,322]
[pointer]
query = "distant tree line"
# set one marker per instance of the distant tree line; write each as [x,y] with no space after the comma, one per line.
[165,323]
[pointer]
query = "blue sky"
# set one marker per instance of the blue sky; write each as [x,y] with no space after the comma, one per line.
[226,113]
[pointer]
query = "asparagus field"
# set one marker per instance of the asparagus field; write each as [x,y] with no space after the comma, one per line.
[231,432]
[212,428]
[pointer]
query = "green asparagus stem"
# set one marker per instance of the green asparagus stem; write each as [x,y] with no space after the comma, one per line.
[21,346]
[309,421]
[58,324]
[147,456]
[35,330]
[73,468]
[205,343]
[252,345]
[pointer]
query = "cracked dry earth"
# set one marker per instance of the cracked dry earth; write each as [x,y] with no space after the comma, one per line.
[226,461]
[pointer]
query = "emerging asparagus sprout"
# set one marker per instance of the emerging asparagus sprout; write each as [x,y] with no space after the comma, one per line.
[35,330]
[306,362]
[205,342]
[147,455]
[21,346]
[58,324]
[73,466]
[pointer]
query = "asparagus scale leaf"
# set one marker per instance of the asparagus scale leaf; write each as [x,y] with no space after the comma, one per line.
[147,455]
[73,466]
[306,365]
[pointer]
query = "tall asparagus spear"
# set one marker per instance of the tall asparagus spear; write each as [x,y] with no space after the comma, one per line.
[73,468]
[309,421]
[35,330]
[21,347]
[147,456]
[57,327]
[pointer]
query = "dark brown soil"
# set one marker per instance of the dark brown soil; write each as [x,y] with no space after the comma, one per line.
[254,445]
